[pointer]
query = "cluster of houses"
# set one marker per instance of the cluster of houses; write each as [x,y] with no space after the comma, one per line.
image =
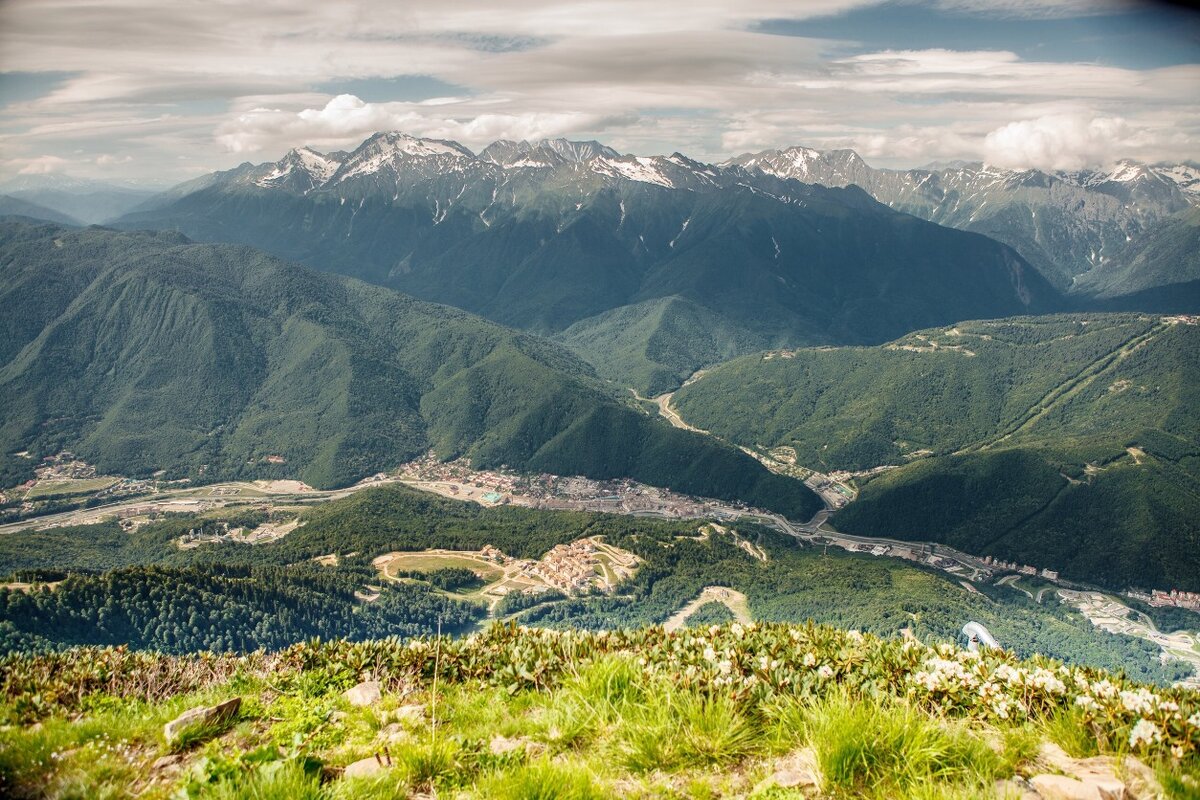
[1175,598]
[569,568]
[1024,569]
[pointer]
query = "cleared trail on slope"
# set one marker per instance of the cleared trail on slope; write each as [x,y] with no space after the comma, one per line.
[1068,389]
[734,600]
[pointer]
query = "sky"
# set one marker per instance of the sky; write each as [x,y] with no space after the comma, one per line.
[159,91]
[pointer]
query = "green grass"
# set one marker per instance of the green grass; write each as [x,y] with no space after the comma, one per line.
[542,780]
[886,750]
[532,714]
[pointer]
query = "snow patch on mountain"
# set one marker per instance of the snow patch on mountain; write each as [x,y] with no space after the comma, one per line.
[634,168]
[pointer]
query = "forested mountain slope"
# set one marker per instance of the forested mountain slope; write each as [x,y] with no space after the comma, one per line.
[549,235]
[1070,442]
[142,352]
[1161,271]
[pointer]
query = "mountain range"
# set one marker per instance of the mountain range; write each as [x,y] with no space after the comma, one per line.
[1064,223]
[571,239]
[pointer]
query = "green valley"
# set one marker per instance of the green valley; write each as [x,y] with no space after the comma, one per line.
[144,352]
[1031,439]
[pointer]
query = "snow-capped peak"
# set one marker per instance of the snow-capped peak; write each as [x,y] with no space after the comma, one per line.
[392,149]
[319,165]
[1185,176]
[302,168]
[634,168]
[544,153]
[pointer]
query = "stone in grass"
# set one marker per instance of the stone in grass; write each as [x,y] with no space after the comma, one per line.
[1064,787]
[394,733]
[363,768]
[366,767]
[409,713]
[503,745]
[364,694]
[203,717]
[795,771]
[166,762]
[1096,778]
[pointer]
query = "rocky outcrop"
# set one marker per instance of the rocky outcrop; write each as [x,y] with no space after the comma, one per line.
[366,693]
[1096,778]
[203,717]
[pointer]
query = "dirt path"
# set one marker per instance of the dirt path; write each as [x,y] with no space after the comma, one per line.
[734,600]
[671,415]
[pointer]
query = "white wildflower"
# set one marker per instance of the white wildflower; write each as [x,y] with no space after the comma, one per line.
[1144,732]
[1002,707]
[825,672]
[737,630]
[725,666]
[1012,676]
[1142,701]
[810,660]
[1086,702]
[1048,682]
[1194,720]
[710,654]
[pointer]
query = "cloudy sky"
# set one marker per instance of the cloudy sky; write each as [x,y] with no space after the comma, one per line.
[157,91]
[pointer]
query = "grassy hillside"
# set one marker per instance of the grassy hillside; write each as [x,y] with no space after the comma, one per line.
[762,711]
[1069,442]
[143,352]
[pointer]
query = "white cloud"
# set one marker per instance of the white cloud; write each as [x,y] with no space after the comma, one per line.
[217,82]
[346,120]
[1065,141]
[41,165]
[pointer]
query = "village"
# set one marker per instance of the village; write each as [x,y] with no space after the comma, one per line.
[556,493]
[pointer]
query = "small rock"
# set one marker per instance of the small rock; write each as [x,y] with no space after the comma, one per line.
[797,769]
[366,767]
[1055,758]
[790,778]
[364,694]
[410,713]
[500,745]
[166,761]
[1062,787]
[394,732]
[211,716]
[1141,781]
